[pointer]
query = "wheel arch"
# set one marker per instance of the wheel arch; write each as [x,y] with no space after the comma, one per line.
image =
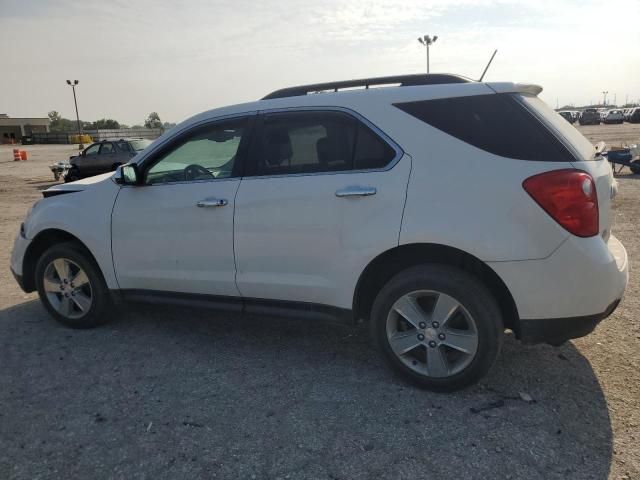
[41,242]
[397,259]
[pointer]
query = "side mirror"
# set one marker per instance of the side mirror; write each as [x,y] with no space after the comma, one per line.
[128,175]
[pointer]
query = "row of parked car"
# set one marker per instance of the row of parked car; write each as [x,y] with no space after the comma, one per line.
[595,116]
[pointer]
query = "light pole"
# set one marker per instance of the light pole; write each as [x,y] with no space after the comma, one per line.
[73,86]
[604,98]
[427,41]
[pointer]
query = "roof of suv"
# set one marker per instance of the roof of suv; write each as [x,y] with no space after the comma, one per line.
[399,80]
[357,94]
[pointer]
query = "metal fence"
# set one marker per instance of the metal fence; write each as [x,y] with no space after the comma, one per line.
[97,135]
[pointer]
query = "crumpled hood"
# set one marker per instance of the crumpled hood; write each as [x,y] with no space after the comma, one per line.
[78,185]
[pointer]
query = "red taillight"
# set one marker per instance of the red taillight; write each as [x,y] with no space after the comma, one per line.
[569,196]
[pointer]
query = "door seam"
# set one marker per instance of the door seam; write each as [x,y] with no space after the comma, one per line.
[113,261]
[233,240]
[406,195]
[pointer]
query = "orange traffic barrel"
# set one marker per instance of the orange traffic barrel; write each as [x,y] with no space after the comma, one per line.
[16,155]
[23,155]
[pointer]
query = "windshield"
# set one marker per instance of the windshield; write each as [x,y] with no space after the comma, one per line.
[568,133]
[139,145]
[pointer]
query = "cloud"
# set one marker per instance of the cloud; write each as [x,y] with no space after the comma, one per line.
[179,59]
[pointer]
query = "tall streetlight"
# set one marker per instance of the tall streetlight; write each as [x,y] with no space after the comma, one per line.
[427,41]
[73,86]
[604,97]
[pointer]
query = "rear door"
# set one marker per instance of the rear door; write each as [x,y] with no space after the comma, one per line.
[323,196]
[107,157]
[124,152]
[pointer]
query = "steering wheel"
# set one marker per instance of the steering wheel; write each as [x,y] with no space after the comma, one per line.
[196,172]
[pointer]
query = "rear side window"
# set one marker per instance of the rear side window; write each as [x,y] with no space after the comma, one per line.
[495,123]
[317,142]
[371,151]
[123,147]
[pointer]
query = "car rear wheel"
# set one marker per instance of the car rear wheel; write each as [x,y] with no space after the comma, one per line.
[635,166]
[71,287]
[437,326]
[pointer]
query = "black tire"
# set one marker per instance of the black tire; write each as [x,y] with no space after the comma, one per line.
[97,313]
[635,167]
[469,292]
[72,175]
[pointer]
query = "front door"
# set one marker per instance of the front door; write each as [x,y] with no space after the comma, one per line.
[175,232]
[323,196]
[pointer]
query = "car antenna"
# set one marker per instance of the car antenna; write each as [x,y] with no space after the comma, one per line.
[487,67]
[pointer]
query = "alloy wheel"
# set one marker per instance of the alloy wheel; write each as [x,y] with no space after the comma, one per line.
[67,288]
[432,333]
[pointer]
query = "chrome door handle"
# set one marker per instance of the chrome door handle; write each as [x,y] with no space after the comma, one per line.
[212,202]
[356,192]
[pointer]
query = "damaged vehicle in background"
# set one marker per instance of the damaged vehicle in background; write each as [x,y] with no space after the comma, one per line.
[104,156]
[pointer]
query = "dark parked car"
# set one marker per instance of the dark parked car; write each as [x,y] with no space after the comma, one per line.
[568,116]
[634,116]
[104,156]
[590,116]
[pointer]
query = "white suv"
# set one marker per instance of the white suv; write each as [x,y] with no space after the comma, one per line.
[443,211]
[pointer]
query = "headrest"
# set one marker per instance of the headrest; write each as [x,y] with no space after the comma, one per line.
[278,147]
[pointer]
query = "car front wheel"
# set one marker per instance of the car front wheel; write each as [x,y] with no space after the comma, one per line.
[438,326]
[71,287]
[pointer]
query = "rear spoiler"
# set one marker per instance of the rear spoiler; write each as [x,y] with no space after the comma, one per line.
[508,87]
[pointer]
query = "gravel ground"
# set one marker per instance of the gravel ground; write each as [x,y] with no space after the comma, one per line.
[175,393]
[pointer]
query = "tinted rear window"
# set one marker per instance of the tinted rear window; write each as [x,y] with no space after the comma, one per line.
[495,123]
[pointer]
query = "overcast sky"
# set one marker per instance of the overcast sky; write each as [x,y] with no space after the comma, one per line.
[180,58]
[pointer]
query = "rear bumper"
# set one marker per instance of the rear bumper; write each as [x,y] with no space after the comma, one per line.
[567,294]
[558,330]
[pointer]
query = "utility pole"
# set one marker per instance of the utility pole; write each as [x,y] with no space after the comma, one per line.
[604,97]
[75,101]
[427,41]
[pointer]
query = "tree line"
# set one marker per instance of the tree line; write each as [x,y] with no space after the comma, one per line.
[60,124]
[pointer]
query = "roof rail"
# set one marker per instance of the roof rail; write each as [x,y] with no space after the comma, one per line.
[403,80]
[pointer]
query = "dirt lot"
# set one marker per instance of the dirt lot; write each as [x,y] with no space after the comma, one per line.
[161,393]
